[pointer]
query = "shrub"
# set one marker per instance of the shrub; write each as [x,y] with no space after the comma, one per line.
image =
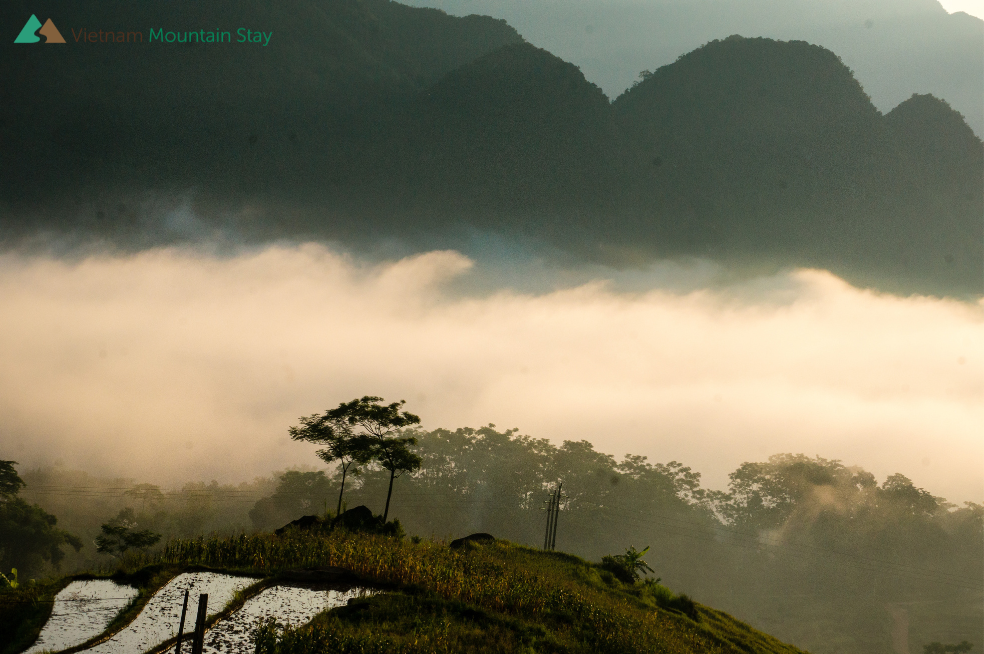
[627,567]
[686,606]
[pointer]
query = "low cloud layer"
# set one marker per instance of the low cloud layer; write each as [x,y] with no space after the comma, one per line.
[172,365]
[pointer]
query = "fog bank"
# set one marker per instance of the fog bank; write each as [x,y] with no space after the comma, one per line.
[171,364]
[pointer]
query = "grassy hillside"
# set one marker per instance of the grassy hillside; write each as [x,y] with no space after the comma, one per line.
[480,598]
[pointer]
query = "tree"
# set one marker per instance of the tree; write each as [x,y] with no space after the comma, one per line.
[394,454]
[29,538]
[10,481]
[361,431]
[146,493]
[787,488]
[342,444]
[118,535]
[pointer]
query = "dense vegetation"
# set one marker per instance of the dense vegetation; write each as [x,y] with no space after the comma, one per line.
[818,553]
[369,118]
[29,537]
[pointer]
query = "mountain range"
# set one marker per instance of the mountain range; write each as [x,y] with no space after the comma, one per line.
[895,47]
[368,119]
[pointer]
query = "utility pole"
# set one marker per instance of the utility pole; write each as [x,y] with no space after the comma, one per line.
[553,511]
[553,538]
[546,535]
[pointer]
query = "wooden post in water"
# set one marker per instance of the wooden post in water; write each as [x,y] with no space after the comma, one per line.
[198,643]
[181,625]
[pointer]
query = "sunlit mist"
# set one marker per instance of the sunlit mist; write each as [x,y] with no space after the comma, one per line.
[171,365]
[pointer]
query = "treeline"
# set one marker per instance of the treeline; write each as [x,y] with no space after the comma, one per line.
[818,553]
[82,503]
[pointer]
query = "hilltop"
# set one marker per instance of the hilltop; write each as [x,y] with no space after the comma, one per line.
[494,597]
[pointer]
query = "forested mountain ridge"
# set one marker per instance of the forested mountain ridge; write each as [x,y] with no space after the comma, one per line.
[754,147]
[372,118]
[224,116]
[896,47]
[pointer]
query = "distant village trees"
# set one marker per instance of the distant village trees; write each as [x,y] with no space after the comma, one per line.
[29,538]
[120,535]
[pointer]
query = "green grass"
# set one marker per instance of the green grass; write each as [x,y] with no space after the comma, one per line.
[492,598]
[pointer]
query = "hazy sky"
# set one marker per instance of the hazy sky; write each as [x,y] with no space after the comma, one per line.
[173,365]
[972,7]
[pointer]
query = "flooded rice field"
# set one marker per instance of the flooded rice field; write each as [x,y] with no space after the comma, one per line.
[82,610]
[160,618]
[287,605]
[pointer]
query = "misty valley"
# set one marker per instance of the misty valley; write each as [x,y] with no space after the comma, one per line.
[722,260]
[817,553]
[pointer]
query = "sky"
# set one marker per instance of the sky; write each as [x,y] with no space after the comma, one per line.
[972,7]
[179,364]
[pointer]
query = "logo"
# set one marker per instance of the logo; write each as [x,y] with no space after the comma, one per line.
[30,31]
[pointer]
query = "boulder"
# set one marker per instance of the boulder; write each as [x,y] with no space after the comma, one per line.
[359,518]
[306,523]
[479,538]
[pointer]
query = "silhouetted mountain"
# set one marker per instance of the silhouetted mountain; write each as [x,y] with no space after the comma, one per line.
[895,47]
[238,116]
[752,148]
[514,137]
[371,120]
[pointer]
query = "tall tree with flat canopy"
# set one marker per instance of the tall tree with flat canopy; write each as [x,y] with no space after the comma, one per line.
[394,454]
[341,442]
[361,431]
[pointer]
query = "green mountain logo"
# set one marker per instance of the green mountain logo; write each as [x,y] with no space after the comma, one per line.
[30,32]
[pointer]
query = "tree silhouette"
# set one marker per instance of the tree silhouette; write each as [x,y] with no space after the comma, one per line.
[342,444]
[28,536]
[10,481]
[145,493]
[394,454]
[361,431]
[118,535]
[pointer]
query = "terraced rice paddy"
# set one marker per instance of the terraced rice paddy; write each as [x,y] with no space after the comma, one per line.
[82,610]
[287,605]
[160,618]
